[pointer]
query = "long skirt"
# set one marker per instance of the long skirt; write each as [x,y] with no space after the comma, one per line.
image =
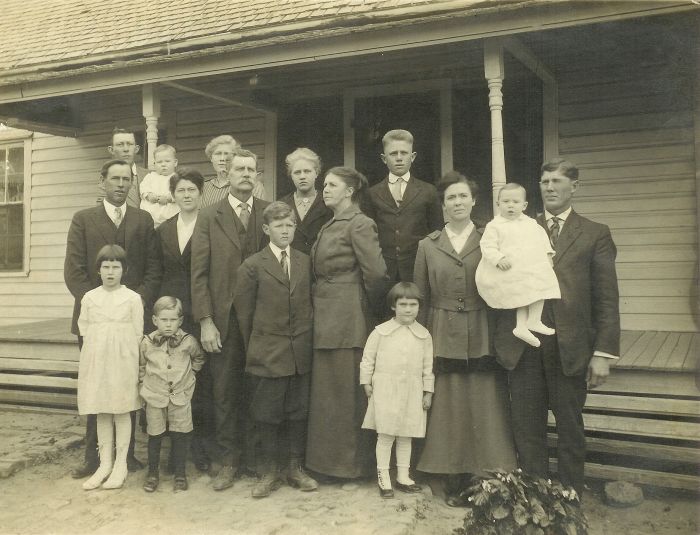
[336,444]
[469,427]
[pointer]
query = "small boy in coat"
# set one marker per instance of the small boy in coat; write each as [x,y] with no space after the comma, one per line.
[273,305]
[169,359]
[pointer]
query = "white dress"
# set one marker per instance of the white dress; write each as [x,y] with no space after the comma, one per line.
[111,324]
[398,362]
[531,277]
[160,185]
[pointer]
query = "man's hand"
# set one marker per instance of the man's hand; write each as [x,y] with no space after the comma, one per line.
[210,336]
[427,400]
[368,390]
[598,371]
[504,264]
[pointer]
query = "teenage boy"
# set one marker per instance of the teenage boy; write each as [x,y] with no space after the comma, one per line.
[405,209]
[273,305]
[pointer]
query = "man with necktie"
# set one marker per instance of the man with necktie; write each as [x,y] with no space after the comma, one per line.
[404,208]
[112,221]
[226,233]
[587,322]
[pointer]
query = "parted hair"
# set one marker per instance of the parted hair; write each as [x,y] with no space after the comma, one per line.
[186,173]
[565,167]
[403,290]
[244,153]
[220,140]
[118,130]
[277,210]
[352,178]
[109,163]
[302,153]
[111,253]
[454,177]
[167,302]
[397,135]
[512,186]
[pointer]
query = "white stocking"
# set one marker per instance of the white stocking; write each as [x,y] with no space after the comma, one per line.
[383,451]
[403,460]
[105,445]
[122,423]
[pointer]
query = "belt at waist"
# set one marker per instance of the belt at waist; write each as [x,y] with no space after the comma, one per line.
[456,303]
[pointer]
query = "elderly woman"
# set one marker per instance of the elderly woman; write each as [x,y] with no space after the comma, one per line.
[219,151]
[175,242]
[350,279]
[468,426]
[303,167]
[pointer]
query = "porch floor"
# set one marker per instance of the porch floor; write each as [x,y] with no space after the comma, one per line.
[48,331]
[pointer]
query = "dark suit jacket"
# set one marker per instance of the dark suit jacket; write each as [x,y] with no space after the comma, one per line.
[401,228]
[92,229]
[307,230]
[216,255]
[587,317]
[275,314]
[176,280]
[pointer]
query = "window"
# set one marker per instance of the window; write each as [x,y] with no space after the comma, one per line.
[11,207]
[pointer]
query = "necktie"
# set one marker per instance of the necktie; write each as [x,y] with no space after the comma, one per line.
[285,264]
[244,216]
[118,216]
[395,188]
[554,232]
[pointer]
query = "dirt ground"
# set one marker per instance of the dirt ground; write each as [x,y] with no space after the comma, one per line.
[41,498]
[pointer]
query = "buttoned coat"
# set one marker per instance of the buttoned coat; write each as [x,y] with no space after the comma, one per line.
[587,317]
[402,227]
[216,254]
[453,309]
[349,280]
[307,229]
[275,314]
[176,279]
[90,230]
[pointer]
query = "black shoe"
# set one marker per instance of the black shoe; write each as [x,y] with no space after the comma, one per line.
[203,465]
[385,493]
[151,483]
[133,464]
[84,470]
[180,483]
[412,488]
[457,501]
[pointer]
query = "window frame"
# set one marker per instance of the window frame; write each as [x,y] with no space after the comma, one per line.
[14,140]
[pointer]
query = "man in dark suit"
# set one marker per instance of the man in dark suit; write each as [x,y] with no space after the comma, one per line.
[124,147]
[405,209]
[111,221]
[587,322]
[226,233]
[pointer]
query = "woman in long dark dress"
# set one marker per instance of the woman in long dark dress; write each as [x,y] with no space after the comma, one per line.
[349,285]
[175,236]
[468,425]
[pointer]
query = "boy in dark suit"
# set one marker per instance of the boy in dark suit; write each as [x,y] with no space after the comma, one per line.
[272,301]
[405,209]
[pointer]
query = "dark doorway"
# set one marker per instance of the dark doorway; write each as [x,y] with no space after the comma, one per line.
[419,113]
[315,124]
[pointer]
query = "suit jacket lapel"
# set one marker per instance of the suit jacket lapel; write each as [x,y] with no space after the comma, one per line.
[131,222]
[256,222]
[295,275]
[471,244]
[170,240]
[104,224]
[272,266]
[568,235]
[385,195]
[410,193]
[445,245]
[225,218]
[316,211]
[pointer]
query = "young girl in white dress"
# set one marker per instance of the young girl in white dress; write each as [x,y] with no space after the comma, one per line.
[516,265]
[397,374]
[111,324]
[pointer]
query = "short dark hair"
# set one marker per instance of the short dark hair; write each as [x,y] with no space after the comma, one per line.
[403,290]
[109,163]
[186,173]
[117,130]
[512,186]
[168,302]
[277,210]
[352,178]
[565,167]
[111,253]
[453,177]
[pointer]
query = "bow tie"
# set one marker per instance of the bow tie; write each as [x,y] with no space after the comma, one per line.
[173,340]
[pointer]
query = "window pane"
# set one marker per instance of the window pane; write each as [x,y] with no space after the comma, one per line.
[15,174]
[15,223]
[4,216]
[15,249]
[3,174]
[3,253]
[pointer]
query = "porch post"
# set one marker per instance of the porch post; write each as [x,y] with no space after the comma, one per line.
[494,73]
[151,112]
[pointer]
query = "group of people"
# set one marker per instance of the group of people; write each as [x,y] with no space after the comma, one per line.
[279,335]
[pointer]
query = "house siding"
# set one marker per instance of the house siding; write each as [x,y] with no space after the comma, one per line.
[65,173]
[630,131]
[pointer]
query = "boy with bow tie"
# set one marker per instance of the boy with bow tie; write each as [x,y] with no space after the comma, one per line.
[169,359]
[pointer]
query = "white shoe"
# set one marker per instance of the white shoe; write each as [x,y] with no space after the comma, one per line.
[540,328]
[527,336]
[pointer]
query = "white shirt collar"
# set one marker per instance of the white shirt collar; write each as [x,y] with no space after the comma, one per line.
[277,251]
[451,234]
[393,178]
[110,209]
[236,203]
[563,216]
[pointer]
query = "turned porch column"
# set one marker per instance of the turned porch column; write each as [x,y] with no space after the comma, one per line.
[151,112]
[494,73]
